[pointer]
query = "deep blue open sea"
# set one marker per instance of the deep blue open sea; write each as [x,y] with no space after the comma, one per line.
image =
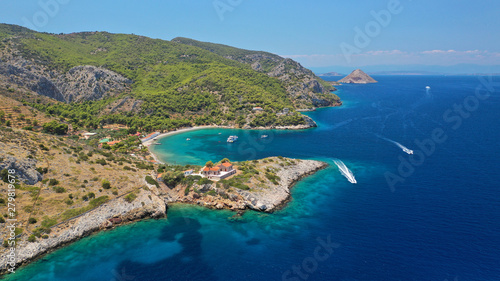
[436,218]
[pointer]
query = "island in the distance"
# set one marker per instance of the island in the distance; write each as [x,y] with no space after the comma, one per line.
[358,77]
[330,74]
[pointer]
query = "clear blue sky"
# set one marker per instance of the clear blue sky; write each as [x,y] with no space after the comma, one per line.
[429,32]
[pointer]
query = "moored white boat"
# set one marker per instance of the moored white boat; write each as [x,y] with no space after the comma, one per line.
[232,138]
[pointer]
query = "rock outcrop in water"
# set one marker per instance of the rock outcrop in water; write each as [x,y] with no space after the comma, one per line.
[358,77]
[275,196]
[269,189]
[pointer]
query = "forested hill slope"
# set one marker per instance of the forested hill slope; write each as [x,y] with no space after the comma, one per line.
[98,78]
[301,83]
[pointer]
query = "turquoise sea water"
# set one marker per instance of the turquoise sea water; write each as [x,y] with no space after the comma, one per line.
[441,223]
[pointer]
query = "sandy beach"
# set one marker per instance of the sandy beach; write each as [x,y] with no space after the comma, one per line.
[183,130]
[150,142]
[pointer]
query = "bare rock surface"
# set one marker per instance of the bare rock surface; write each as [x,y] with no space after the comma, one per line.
[83,82]
[358,77]
[25,169]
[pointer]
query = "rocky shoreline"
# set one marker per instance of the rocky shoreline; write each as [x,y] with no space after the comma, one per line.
[115,212]
[153,204]
[268,199]
[310,123]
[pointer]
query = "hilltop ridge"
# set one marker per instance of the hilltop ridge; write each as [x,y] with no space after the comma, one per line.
[299,81]
[98,78]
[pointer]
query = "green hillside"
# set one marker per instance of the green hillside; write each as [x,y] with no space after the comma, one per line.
[174,84]
[266,60]
[241,55]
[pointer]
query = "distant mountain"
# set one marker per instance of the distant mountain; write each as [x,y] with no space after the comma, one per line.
[357,77]
[330,74]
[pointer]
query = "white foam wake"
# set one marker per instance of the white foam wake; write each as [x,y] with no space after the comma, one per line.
[428,91]
[404,148]
[345,171]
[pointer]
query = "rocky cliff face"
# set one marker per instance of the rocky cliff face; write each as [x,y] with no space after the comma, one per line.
[114,212]
[79,83]
[358,77]
[18,71]
[91,83]
[299,81]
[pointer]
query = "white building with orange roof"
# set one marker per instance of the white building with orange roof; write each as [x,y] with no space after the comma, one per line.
[218,172]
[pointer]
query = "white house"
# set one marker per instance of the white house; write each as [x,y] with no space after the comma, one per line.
[218,172]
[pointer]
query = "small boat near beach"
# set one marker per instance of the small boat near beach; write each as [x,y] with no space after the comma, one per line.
[264,136]
[231,139]
[188,139]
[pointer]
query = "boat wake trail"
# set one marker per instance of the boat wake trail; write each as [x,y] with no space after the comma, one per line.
[345,171]
[404,148]
[343,123]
